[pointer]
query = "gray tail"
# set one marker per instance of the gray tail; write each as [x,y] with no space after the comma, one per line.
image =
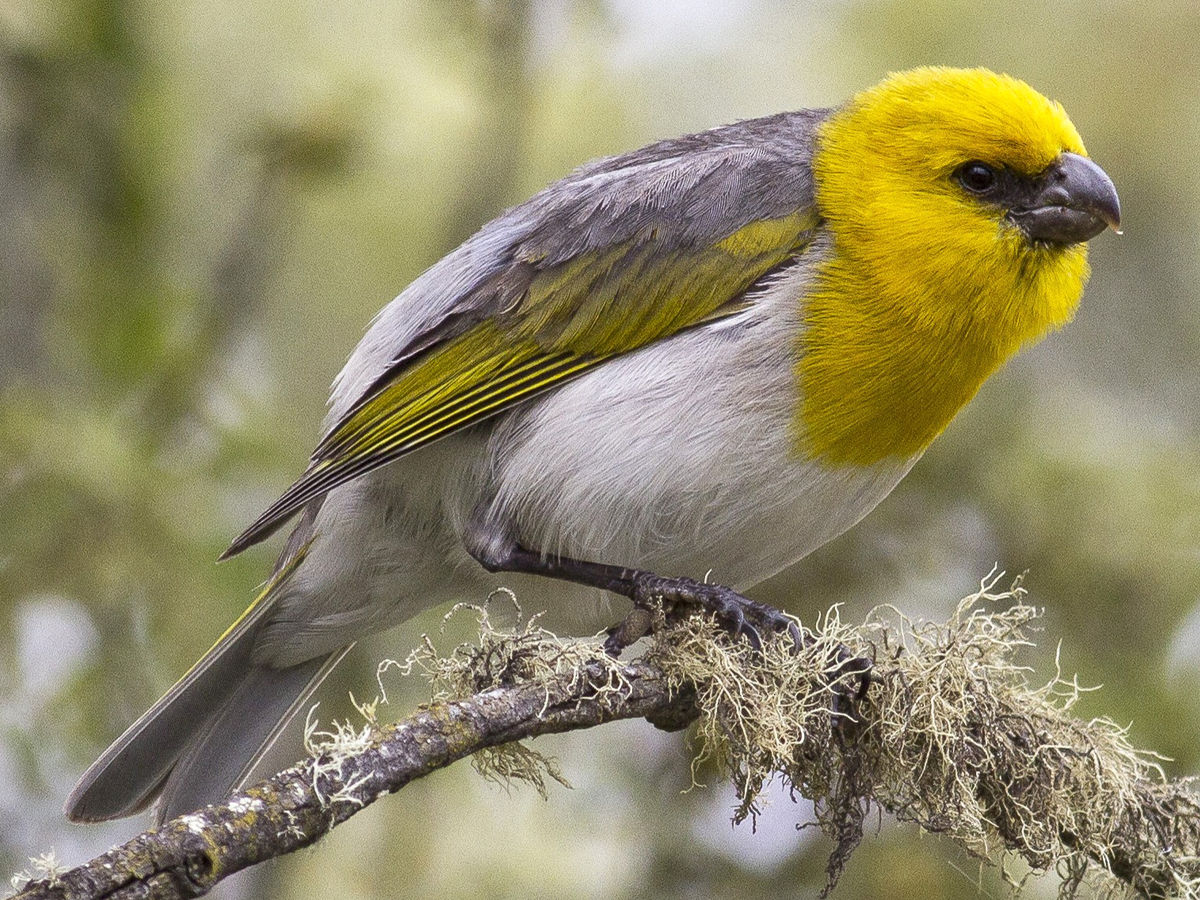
[218,757]
[202,738]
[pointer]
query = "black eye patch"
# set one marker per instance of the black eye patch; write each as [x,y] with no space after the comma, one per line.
[998,186]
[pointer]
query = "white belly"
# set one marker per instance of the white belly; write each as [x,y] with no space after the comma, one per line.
[678,459]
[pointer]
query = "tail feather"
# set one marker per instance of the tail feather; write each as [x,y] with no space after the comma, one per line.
[203,736]
[218,757]
[129,774]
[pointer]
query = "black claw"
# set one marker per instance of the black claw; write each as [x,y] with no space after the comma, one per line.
[740,615]
[750,633]
[846,699]
[634,626]
[734,613]
[613,645]
[793,631]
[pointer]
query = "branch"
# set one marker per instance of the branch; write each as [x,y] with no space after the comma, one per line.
[950,736]
[188,855]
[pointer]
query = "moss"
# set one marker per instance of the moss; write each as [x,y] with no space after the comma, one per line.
[500,658]
[950,735]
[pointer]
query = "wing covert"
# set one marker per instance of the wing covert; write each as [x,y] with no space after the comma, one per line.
[542,318]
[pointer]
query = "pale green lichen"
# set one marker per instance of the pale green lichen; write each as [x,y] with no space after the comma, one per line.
[951,736]
[330,748]
[503,658]
[45,866]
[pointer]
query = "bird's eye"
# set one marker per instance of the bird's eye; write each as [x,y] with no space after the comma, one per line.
[977,177]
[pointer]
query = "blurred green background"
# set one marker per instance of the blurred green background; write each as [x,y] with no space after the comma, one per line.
[201,206]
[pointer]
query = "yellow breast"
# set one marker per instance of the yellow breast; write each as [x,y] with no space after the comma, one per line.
[926,291]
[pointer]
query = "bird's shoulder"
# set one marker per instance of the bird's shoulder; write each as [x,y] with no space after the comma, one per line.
[619,254]
[672,198]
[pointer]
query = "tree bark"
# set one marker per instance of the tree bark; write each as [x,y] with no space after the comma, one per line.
[187,856]
[950,736]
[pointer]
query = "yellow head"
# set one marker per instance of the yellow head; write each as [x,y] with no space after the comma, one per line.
[958,202]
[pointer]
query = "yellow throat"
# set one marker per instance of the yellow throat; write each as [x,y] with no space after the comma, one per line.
[927,291]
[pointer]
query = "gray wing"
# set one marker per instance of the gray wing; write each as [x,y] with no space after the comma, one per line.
[623,252]
[688,192]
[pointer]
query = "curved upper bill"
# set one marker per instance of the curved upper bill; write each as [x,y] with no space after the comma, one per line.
[1076,202]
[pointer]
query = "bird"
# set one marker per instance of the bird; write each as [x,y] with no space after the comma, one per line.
[714,353]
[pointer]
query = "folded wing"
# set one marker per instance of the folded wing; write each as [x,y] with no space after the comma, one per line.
[595,271]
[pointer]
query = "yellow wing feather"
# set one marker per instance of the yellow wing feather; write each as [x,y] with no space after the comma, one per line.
[571,318]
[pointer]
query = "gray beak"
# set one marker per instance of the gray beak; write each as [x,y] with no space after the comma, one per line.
[1076,201]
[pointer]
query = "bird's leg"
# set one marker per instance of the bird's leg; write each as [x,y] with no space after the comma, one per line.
[739,614]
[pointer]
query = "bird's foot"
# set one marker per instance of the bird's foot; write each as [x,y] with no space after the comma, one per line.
[849,675]
[739,614]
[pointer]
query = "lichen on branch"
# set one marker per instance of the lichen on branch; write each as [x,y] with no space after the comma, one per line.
[951,735]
